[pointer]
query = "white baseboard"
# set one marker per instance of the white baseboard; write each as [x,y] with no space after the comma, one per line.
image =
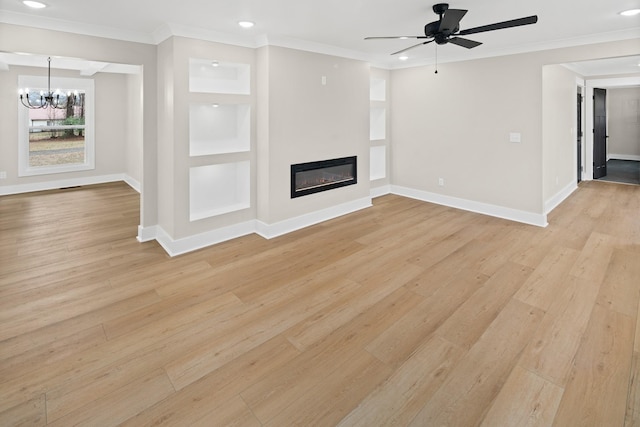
[624,157]
[6,190]
[380,191]
[199,241]
[269,231]
[559,197]
[147,234]
[133,183]
[525,217]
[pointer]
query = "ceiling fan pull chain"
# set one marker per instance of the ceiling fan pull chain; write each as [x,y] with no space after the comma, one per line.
[436,45]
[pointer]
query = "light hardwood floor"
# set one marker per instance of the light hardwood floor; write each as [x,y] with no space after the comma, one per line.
[406,313]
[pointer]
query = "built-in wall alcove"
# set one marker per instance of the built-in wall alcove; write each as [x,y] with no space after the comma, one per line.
[212,76]
[218,189]
[219,128]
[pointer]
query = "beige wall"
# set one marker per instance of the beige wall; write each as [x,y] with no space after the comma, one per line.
[174,161]
[378,73]
[15,38]
[559,136]
[307,121]
[624,123]
[110,134]
[455,125]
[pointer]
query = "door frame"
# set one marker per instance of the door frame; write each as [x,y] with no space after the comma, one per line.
[587,172]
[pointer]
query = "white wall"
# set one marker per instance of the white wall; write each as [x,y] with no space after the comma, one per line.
[14,38]
[308,121]
[174,157]
[111,111]
[134,127]
[624,123]
[456,125]
[559,136]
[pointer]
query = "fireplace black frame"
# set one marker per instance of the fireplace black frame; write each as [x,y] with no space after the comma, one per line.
[303,167]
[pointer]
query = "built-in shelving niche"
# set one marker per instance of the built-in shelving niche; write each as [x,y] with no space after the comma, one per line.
[378,162]
[377,123]
[378,90]
[210,76]
[219,189]
[219,128]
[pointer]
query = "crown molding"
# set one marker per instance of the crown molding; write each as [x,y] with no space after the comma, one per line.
[466,55]
[25,20]
[168,30]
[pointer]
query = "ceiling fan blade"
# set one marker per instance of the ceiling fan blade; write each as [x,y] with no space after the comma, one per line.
[469,44]
[411,47]
[451,19]
[501,25]
[395,37]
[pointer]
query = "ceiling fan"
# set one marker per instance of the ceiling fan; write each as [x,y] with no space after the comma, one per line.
[447,28]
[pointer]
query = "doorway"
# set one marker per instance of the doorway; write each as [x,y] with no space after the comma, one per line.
[599,133]
[579,134]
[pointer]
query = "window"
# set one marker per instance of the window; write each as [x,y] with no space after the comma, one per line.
[56,140]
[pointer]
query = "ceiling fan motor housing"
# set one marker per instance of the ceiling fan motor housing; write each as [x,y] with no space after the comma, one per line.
[440,8]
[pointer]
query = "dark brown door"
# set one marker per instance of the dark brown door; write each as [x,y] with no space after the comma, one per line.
[599,133]
[579,136]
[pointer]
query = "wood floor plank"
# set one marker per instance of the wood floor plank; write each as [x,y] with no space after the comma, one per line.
[276,391]
[400,398]
[122,404]
[334,395]
[525,400]
[210,394]
[551,352]
[470,389]
[596,393]
[405,313]
[472,318]
[542,287]
[620,290]
[632,414]
[396,344]
[31,413]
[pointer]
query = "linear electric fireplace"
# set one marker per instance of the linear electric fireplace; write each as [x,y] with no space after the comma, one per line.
[313,177]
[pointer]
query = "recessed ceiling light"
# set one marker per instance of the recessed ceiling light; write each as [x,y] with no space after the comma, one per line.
[246,24]
[215,64]
[630,12]
[34,4]
[403,58]
[215,105]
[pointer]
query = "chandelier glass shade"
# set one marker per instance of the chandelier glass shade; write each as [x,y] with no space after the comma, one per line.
[48,99]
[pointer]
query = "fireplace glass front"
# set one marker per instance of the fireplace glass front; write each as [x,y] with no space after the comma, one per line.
[313,177]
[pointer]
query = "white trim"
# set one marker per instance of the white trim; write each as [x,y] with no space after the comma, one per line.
[133,183]
[380,191]
[147,234]
[269,231]
[166,30]
[559,197]
[539,220]
[6,190]
[198,241]
[86,85]
[625,157]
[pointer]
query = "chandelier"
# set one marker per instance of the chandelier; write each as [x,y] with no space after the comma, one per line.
[48,99]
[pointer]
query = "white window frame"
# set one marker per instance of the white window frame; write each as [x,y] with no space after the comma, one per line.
[86,85]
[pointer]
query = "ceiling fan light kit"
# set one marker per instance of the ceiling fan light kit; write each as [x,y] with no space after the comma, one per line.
[447,29]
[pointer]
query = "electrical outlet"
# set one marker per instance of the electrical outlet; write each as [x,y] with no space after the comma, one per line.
[3,174]
[441,182]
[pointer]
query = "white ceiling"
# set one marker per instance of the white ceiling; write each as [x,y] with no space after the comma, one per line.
[337,26]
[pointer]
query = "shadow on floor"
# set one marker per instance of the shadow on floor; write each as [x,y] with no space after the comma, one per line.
[625,171]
